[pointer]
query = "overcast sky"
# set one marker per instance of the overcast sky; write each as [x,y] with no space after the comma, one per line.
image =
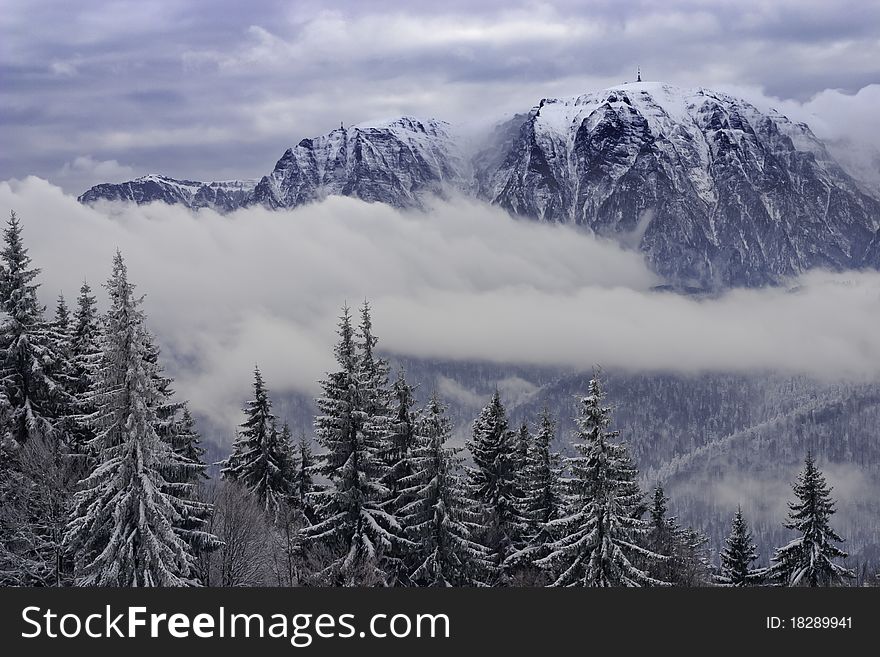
[104,90]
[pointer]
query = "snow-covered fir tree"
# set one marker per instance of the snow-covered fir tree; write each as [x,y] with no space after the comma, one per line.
[446,555]
[354,529]
[493,486]
[124,529]
[62,322]
[738,554]
[85,336]
[85,348]
[808,560]
[32,363]
[304,480]
[522,446]
[185,476]
[598,537]
[691,564]
[542,465]
[399,441]
[374,393]
[168,407]
[542,491]
[35,407]
[660,538]
[397,453]
[262,459]
[188,443]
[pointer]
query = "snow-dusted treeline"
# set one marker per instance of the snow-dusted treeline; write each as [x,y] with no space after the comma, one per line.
[103,483]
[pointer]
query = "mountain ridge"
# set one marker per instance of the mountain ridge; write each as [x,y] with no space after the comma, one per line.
[713,191]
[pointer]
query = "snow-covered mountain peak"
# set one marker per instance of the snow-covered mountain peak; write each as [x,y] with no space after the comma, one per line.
[714,191]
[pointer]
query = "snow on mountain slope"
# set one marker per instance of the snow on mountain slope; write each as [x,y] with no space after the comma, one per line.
[391,162]
[713,191]
[222,196]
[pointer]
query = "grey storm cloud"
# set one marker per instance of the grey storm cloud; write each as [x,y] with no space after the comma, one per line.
[212,90]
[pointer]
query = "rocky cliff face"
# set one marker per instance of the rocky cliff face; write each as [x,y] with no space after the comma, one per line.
[397,163]
[713,191]
[222,196]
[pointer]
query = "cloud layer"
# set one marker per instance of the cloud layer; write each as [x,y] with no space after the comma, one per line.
[463,281]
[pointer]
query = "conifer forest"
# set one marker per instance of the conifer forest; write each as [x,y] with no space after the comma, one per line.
[105,479]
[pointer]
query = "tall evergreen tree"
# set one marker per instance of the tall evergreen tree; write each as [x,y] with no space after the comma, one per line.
[85,346]
[63,321]
[32,364]
[522,446]
[60,333]
[187,442]
[124,526]
[168,408]
[738,554]
[685,559]
[397,454]
[542,465]
[542,491]
[399,442]
[35,477]
[445,556]
[808,560]
[660,538]
[493,486]
[597,538]
[304,481]
[262,458]
[353,527]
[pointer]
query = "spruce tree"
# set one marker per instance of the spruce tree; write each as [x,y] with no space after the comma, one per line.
[399,442]
[542,465]
[372,380]
[660,538]
[522,446]
[597,538]
[32,363]
[60,333]
[738,554]
[124,529]
[63,321]
[188,444]
[35,405]
[397,454]
[808,560]
[542,491]
[354,529]
[304,481]
[85,345]
[493,486]
[685,559]
[262,458]
[168,408]
[445,556]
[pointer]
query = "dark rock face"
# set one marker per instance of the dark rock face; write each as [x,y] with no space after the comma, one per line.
[713,191]
[395,163]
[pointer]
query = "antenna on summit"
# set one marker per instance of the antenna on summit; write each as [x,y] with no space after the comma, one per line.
[638,74]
